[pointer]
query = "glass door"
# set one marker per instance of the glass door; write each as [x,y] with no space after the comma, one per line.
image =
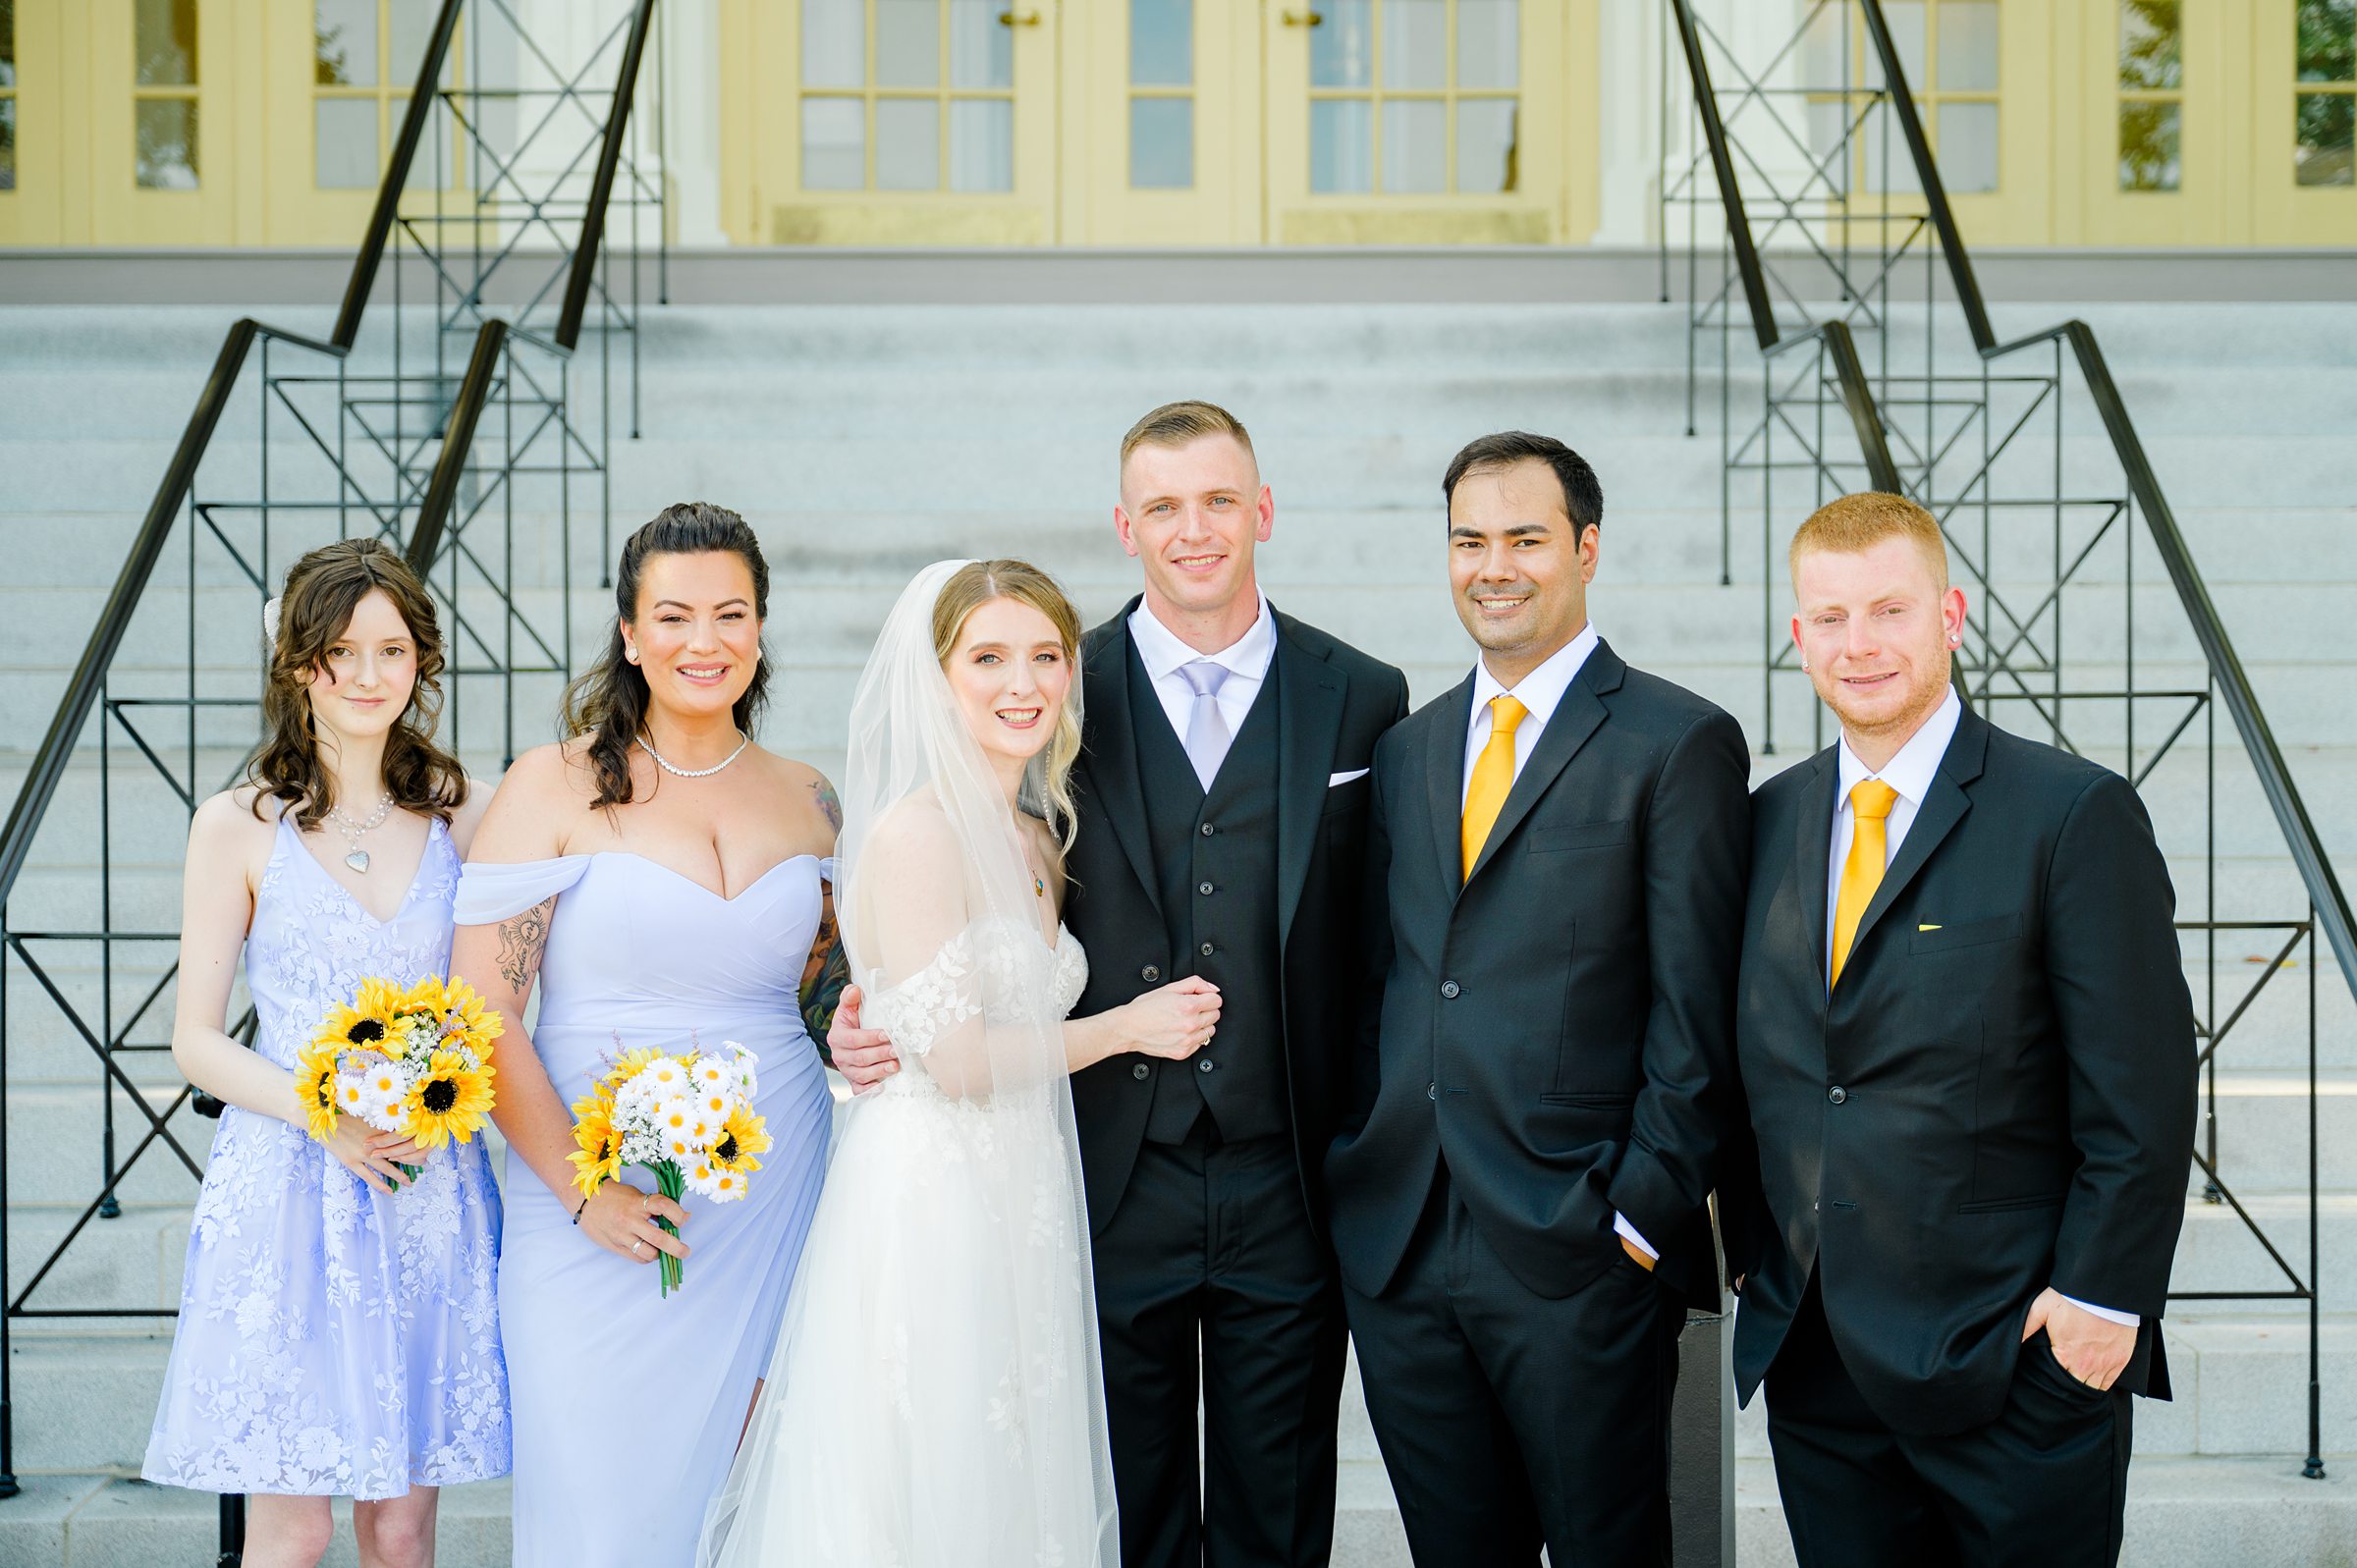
[2159,111]
[163,129]
[889,121]
[1172,153]
[2304,147]
[1972,67]
[32,123]
[1431,122]
[340,72]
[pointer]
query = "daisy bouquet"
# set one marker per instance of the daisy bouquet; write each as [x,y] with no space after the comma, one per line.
[686,1117]
[415,1060]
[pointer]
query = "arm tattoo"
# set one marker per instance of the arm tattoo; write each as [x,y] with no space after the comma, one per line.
[824,975]
[521,944]
[829,806]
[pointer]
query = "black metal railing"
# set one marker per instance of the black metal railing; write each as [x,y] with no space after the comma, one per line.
[460,472]
[1963,443]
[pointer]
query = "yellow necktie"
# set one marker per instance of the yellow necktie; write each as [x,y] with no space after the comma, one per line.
[1493,776]
[1862,873]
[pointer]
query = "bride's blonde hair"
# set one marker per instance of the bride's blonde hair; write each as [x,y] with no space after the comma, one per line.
[1048,783]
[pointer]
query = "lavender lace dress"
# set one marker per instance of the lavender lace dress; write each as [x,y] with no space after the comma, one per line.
[335,1341]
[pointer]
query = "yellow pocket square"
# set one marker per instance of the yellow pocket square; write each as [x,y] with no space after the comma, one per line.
[1928,928]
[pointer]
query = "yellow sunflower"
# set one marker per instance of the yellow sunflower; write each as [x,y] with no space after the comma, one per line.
[451,1101]
[597,1158]
[349,1029]
[316,1081]
[465,1020]
[743,1136]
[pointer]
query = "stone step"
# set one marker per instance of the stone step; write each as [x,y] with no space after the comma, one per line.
[2181,1513]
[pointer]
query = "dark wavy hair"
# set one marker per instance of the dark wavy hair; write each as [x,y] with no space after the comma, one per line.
[609,702]
[323,589]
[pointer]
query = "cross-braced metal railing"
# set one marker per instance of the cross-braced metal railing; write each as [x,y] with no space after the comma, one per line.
[1811,184]
[473,466]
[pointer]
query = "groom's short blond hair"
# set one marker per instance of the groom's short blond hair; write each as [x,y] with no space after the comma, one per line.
[1854,523]
[1181,424]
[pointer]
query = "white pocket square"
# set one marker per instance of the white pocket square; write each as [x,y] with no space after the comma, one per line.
[1345,777]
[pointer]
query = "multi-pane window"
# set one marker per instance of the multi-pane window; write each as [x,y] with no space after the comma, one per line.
[1413,96]
[909,94]
[2152,94]
[2325,104]
[8,94]
[1948,52]
[1162,97]
[366,55]
[163,96]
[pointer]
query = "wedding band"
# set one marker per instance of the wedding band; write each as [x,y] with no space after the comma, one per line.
[636,1242]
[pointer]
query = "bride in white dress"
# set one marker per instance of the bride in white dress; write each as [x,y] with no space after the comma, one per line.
[936,1400]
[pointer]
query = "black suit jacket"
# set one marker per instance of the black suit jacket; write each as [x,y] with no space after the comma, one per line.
[1333,703]
[1998,1097]
[1559,1028]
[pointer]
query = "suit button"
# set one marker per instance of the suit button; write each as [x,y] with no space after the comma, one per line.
[1206,949]
[1203,887]
[1450,988]
[1205,1066]
[1836,1094]
[1207,830]
[1139,1071]
[1150,973]
[1432,1090]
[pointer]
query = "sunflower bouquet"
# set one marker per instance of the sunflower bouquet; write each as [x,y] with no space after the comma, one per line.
[415,1061]
[688,1118]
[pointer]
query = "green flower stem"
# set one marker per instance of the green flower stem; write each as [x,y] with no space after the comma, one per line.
[674,1186]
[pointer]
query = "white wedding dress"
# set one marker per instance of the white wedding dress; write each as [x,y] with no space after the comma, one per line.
[936,1399]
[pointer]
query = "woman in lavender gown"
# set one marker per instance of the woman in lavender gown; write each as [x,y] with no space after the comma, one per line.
[338,1333]
[662,880]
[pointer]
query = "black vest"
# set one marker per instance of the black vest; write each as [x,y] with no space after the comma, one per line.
[1215,859]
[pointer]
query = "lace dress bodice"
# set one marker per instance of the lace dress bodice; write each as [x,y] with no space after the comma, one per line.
[979,973]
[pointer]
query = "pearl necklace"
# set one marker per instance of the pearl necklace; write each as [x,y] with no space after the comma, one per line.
[352,831]
[674,770]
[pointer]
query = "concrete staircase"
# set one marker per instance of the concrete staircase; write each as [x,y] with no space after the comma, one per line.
[865,442]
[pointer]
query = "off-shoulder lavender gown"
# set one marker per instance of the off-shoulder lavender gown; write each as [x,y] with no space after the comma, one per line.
[627,1406]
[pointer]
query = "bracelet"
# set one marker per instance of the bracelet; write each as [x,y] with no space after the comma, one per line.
[583,1204]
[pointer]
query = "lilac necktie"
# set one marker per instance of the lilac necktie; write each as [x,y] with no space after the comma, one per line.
[1207,736]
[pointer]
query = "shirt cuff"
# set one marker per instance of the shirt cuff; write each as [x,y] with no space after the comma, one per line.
[2127,1319]
[1622,1226]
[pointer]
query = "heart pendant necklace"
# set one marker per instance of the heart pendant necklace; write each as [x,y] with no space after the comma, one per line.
[355,856]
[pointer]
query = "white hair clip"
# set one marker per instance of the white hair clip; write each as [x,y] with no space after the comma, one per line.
[270,609]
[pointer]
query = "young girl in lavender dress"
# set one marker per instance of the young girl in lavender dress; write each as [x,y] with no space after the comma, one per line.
[339,1325]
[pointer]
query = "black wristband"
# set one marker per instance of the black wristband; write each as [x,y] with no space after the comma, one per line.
[583,1204]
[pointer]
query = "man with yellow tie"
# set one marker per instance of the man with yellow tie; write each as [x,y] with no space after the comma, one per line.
[1968,1053]
[1518,1199]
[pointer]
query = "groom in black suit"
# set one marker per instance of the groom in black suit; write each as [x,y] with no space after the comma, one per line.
[1968,1050]
[1556,886]
[1223,801]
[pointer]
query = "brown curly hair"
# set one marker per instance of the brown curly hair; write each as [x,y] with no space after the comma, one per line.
[323,589]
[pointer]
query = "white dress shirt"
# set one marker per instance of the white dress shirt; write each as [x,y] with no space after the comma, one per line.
[1540,692]
[1246,659]
[1911,774]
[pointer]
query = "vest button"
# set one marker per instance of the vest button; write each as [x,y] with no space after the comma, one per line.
[1150,973]
[1139,1071]
[1432,1090]
[1204,1066]
[1203,887]
[1450,989]
[1836,1094]
[1207,830]
[1206,949]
